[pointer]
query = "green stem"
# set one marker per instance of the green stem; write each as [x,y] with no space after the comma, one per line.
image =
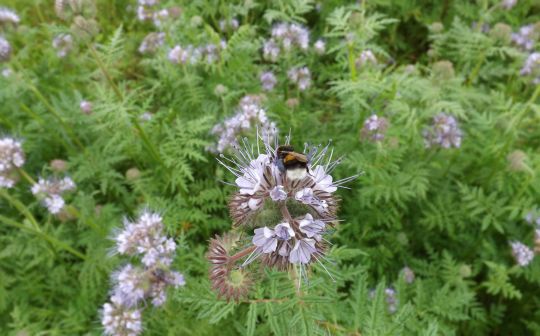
[352,65]
[75,212]
[21,207]
[103,69]
[43,235]
[476,69]
[25,175]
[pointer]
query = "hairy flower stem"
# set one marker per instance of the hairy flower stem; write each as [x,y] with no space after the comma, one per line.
[105,72]
[285,212]
[242,254]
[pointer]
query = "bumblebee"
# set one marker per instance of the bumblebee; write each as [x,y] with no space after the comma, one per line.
[291,163]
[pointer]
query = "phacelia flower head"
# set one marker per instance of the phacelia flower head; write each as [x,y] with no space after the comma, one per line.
[248,114]
[8,16]
[85,106]
[522,253]
[444,132]
[11,158]
[366,57]
[229,25]
[268,80]
[119,320]
[286,200]
[320,47]
[63,43]
[285,37]
[151,43]
[508,4]
[5,49]
[532,67]
[301,77]
[374,128]
[526,37]
[50,191]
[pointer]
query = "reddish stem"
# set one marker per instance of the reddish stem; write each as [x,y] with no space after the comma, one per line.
[242,254]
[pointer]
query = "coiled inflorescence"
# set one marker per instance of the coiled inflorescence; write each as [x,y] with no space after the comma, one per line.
[286,200]
[50,191]
[134,284]
[444,132]
[11,158]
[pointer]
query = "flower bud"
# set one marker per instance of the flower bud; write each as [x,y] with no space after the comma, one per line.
[133,174]
[465,271]
[443,70]
[436,27]
[501,32]
[58,166]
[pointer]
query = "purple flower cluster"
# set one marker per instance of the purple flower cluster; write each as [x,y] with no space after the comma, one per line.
[525,38]
[229,25]
[148,11]
[248,114]
[301,200]
[209,53]
[300,76]
[63,43]
[444,132]
[374,128]
[8,16]
[11,158]
[133,285]
[5,49]
[284,38]
[522,253]
[366,57]
[532,67]
[151,43]
[50,191]
[268,80]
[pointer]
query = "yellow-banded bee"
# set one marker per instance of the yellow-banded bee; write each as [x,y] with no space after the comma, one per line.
[293,164]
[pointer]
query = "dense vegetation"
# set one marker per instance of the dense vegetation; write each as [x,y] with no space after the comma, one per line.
[113,109]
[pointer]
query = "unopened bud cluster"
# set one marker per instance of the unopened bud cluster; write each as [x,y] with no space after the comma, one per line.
[135,284]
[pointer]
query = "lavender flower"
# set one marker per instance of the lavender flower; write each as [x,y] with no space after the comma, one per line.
[8,16]
[5,49]
[301,77]
[248,114]
[291,209]
[229,25]
[444,132]
[210,53]
[118,320]
[374,128]
[391,300]
[151,43]
[145,237]
[508,4]
[532,67]
[522,253]
[50,191]
[285,37]
[86,107]
[408,275]
[268,80]
[63,43]
[525,37]
[366,57]
[320,47]
[11,158]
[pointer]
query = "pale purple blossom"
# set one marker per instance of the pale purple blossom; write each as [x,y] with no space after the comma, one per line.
[305,196]
[5,49]
[50,191]
[366,57]
[508,4]
[301,77]
[522,253]
[284,38]
[86,107]
[130,285]
[63,43]
[118,320]
[151,43]
[278,193]
[228,25]
[265,239]
[374,128]
[302,251]
[11,158]
[532,67]
[8,16]
[524,38]
[313,228]
[284,231]
[391,300]
[444,132]
[320,47]
[268,80]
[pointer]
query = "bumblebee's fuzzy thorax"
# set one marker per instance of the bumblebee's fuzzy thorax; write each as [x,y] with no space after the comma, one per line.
[297,173]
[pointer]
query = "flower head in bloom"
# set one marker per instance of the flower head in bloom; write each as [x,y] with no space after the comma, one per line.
[532,67]
[374,128]
[301,77]
[50,191]
[86,107]
[63,43]
[229,25]
[287,208]
[268,80]
[320,47]
[444,132]
[522,253]
[151,43]
[408,275]
[7,16]
[248,114]
[285,37]
[390,298]
[11,158]
[5,49]
[136,285]
[508,4]
[526,36]
[208,53]
[119,320]
[365,58]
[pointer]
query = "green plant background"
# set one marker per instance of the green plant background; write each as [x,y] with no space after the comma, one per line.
[447,214]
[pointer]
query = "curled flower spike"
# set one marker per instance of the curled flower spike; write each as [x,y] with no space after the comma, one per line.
[8,16]
[374,128]
[63,43]
[135,285]
[5,49]
[50,191]
[286,200]
[11,158]
[522,253]
[444,132]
